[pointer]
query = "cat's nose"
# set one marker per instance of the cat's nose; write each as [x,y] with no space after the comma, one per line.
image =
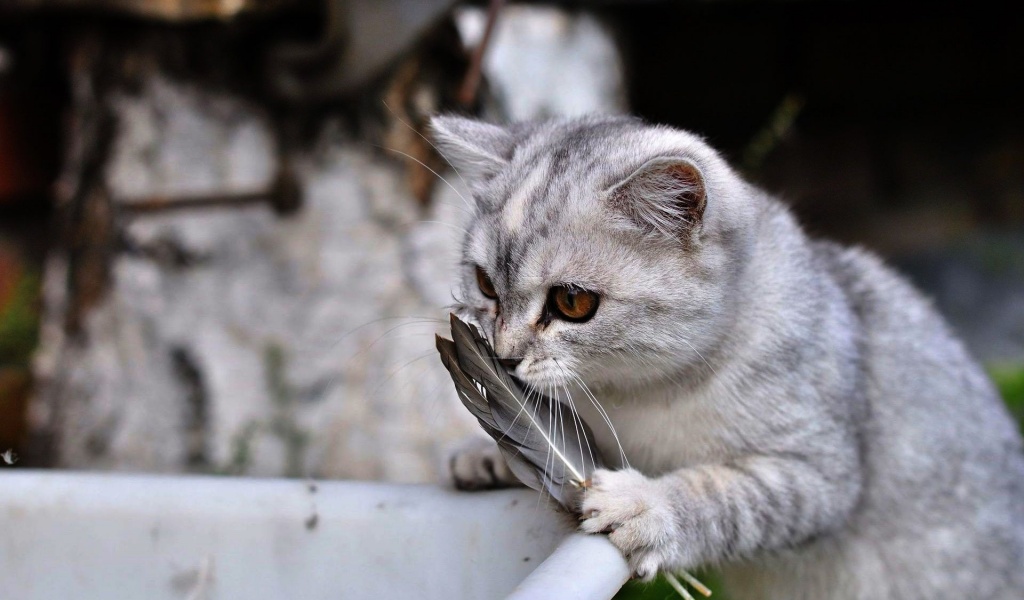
[510,363]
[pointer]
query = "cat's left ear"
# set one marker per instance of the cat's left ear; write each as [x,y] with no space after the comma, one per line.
[476,149]
[665,194]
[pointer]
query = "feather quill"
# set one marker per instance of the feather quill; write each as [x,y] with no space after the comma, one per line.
[545,442]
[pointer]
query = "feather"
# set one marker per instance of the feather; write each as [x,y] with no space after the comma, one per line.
[545,442]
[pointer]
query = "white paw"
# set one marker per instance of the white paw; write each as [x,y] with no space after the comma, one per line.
[637,516]
[478,465]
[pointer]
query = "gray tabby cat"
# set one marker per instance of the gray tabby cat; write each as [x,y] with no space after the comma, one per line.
[790,409]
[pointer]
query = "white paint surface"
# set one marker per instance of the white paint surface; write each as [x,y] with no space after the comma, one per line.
[88,536]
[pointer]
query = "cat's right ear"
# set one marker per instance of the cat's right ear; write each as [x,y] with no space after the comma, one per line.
[475,149]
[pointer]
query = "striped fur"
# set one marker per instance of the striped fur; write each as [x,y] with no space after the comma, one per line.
[789,409]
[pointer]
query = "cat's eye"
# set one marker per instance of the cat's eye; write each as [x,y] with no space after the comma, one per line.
[485,284]
[572,303]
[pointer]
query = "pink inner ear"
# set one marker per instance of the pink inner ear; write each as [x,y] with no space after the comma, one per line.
[686,173]
[694,198]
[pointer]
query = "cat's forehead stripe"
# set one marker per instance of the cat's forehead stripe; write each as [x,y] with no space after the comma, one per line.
[514,215]
[509,258]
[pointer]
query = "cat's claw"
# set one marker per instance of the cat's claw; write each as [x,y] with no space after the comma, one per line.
[637,516]
[479,465]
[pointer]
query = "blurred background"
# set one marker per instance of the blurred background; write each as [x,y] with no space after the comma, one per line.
[224,249]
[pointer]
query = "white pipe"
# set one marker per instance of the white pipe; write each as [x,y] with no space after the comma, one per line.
[141,536]
[583,566]
[97,536]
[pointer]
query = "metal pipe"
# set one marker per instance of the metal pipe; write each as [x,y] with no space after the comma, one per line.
[583,566]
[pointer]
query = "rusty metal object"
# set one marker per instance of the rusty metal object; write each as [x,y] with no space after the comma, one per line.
[407,136]
[424,84]
[84,214]
[471,83]
[284,197]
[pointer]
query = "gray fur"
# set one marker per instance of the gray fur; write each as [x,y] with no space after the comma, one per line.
[790,409]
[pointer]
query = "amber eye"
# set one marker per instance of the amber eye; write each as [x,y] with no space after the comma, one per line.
[486,287]
[572,304]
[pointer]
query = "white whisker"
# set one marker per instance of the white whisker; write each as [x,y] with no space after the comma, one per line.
[427,140]
[684,340]
[600,409]
[438,175]
[581,430]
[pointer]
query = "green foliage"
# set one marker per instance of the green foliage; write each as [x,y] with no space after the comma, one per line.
[283,395]
[282,423]
[1009,378]
[659,589]
[19,322]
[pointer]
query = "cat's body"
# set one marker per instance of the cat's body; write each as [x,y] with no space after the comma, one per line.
[799,414]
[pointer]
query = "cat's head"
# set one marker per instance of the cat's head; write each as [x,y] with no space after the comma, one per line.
[600,248]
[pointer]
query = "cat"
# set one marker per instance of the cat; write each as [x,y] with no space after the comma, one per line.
[787,409]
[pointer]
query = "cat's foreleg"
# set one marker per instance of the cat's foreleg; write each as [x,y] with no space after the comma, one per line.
[710,513]
[477,464]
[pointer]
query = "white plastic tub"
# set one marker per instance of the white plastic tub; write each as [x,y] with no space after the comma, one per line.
[89,536]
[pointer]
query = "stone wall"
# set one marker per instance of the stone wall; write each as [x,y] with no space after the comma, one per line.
[235,339]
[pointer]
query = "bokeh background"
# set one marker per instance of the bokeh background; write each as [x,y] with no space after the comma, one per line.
[225,243]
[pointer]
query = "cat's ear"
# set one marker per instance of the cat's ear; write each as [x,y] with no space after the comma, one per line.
[665,194]
[475,149]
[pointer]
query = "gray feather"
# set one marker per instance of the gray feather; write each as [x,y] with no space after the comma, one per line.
[545,442]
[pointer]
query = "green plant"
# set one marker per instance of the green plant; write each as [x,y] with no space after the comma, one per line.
[1009,378]
[660,589]
[19,322]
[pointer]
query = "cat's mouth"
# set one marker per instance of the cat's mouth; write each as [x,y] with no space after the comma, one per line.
[540,374]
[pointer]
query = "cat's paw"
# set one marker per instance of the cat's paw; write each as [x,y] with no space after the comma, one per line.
[479,465]
[636,514]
